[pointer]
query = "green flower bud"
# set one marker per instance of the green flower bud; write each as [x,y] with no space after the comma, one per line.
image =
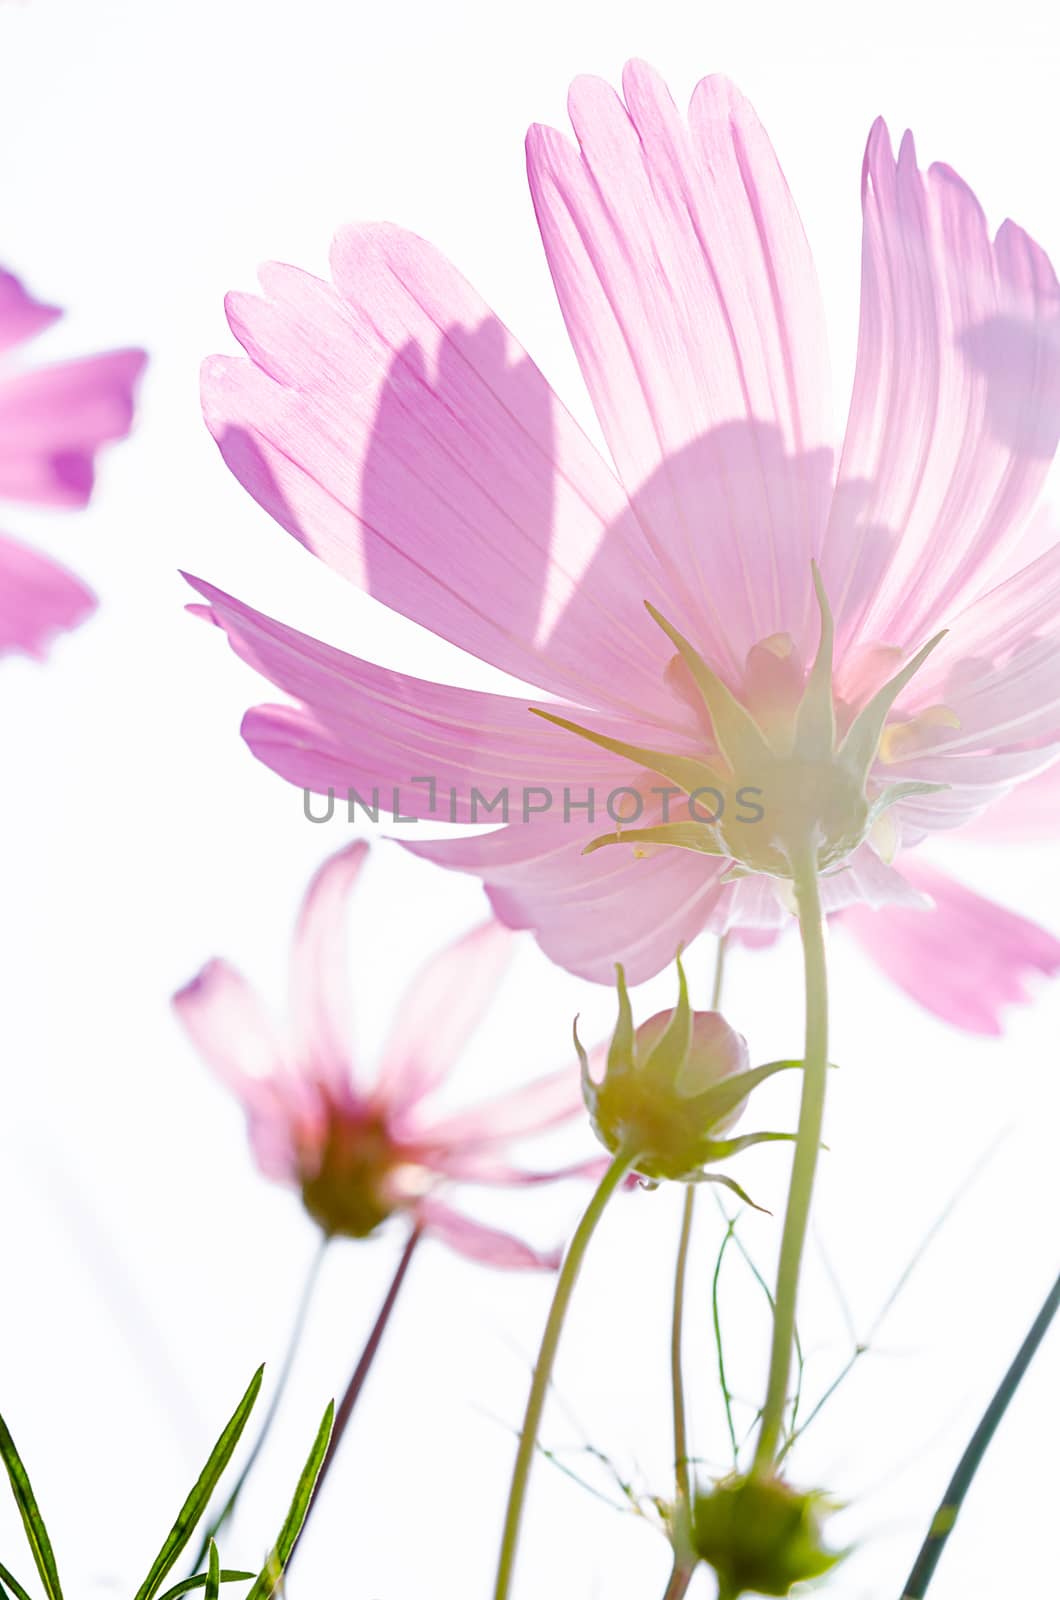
[761,1536]
[673,1088]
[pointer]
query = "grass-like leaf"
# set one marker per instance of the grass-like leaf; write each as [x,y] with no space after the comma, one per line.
[199,1582]
[32,1521]
[268,1579]
[195,1505]
[12,1584]
[213,1576]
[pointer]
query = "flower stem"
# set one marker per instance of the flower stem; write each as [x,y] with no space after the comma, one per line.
[804,1165]
[620,1165]
[293,1343]
[360,1373]
[680,1578]
[946,1515]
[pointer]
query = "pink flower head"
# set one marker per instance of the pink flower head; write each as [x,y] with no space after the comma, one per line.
[52,422]
[393,425]
[359,1150]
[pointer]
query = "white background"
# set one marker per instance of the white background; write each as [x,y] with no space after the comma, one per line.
[150,155]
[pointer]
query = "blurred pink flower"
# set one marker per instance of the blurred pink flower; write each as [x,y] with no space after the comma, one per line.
[392,424]
[361,1150]
[52,421]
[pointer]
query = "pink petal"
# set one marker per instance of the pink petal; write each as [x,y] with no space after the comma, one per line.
[442,1006]
[21,317]
[690,296]
[965,960]
[38,599]
[1028,814]
[479,1243]
[320,970]
[587,912]
[228,1026]
[53,420]
[371,729]
[394,427]
[531,1108]
[956,403]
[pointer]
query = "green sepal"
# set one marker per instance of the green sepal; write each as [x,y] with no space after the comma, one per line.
[815,719]
[731,1184]
[29,1511]
[716,1102]
[228,1575]
[722,1149]
[620,1050]
[738,735]
[269,1577]
[667,1056]
[858,749]
[907,789]
[194,1507]
[699,836]
[688,773]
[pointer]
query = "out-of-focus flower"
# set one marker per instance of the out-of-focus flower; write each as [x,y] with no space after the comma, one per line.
[396,429]
[760,1535]
[52,421]
[361,1149]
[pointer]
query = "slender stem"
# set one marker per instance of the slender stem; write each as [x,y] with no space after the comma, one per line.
[680,1578]
[943,1521]
[360,1373]
[677,1382]
[620,1165]
[804,1165]
[293,1343]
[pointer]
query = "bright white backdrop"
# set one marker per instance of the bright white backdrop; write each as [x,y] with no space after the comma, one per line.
[150,156]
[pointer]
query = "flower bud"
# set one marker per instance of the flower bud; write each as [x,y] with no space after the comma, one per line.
[761,1536]
[673,1088]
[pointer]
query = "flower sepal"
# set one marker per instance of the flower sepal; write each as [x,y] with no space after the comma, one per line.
[761,1535]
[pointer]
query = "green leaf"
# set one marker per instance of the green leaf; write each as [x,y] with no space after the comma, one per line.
[271,1573]
[213,1576]
[13,1584]
[32,1521]
[227,1576]
[195,1505]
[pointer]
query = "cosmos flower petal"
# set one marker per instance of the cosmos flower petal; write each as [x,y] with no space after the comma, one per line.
[38,599]
[227,1024]
[320,968]
[21,317]
[690,296]
[443,1004]
[531,1108]
[372,729]
[955,411]
[965,960]
[392,424]
[54,419]
[1028,814]
[480,1243]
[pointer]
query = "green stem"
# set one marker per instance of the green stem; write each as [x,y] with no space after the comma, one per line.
[620,1165]
[946,1515]
[677,1382]
[293,1343]
[804,1165]
[680,1578]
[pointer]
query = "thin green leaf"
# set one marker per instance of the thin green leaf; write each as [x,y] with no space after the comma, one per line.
[213,1575]
[228,1575]
[194,1507]
[271,1573]
[29,1511]
[13,1584]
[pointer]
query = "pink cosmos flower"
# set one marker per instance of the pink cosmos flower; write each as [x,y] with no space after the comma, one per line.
[392,424]
[360,1150]
[52,421]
